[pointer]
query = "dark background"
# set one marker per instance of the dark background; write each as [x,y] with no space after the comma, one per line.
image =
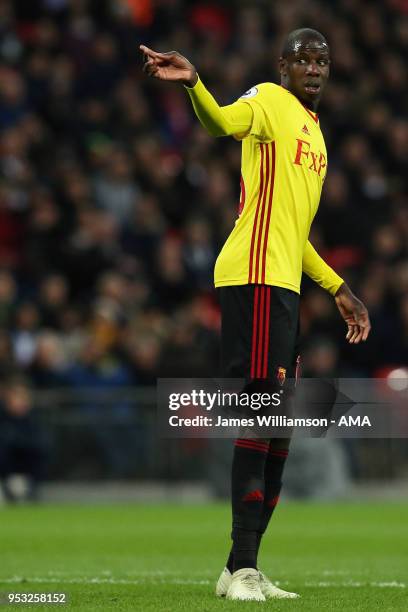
[114,202]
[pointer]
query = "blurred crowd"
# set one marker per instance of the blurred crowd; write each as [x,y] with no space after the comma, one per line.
[114,202]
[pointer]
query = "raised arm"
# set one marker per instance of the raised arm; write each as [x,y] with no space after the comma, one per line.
[352,310]
[234,119]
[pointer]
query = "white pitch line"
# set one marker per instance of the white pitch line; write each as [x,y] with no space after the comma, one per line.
[96,580]
[136,575]
[329,572]
[356,584]
[144,581]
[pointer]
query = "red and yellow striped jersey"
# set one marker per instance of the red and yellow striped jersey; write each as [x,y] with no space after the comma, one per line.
[284,163]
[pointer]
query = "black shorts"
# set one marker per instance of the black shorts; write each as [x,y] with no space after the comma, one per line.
[259,332]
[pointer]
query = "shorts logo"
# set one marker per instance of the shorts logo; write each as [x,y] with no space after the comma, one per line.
[281,376]
[250,93]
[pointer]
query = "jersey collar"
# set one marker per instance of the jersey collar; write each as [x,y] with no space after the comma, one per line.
[313,115]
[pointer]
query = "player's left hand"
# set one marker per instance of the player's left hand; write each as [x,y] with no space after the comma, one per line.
[354,313]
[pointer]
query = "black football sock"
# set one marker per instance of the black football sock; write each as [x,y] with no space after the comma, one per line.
[248,494]
[274,465]
[230,561]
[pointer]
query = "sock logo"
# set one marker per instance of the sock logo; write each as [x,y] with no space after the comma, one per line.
[281,376]
[256,495]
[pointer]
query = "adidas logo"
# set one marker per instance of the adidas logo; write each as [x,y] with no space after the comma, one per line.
[305,130]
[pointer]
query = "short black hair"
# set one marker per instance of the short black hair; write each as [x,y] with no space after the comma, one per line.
[300,37]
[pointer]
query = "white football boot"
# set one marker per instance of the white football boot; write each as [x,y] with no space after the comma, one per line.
[269,590]
[223,583]
[245,586]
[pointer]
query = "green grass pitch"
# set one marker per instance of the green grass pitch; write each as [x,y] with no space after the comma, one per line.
[167,557]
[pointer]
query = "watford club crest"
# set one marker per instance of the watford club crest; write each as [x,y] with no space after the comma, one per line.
[281,376]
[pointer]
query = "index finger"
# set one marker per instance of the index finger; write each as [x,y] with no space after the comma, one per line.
[349,332]
[148,52]
[156,55]
[355,334]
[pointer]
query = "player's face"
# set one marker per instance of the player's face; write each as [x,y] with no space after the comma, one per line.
[306,71]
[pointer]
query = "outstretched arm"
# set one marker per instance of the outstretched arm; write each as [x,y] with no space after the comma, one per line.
[234,119]
[352,310]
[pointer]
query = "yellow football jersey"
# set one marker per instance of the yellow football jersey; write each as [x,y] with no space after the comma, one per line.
[284,164]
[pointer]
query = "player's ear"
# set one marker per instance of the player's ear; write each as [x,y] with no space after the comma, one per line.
[283,66]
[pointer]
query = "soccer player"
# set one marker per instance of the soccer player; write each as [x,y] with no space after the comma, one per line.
[259,269]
